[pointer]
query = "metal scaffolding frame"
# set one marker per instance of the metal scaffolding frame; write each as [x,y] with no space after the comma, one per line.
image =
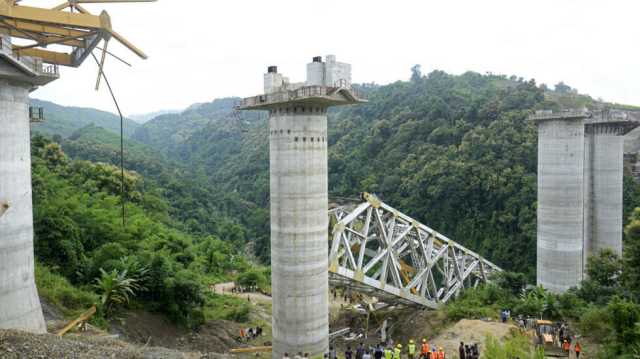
[380,251]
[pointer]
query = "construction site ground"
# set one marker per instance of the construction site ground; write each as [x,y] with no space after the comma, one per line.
[140,334]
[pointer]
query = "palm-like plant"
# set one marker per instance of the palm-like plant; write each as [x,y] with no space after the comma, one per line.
[115,289]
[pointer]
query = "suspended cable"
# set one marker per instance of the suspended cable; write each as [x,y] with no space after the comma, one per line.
[121,137]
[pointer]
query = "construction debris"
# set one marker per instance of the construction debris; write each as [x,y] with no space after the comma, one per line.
[80,320]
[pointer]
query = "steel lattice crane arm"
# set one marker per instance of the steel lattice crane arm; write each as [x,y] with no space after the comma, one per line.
[76,28]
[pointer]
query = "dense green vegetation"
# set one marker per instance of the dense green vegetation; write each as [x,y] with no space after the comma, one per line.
[604,309]
[463,160]
[63,121]
[462,153]
[152,261]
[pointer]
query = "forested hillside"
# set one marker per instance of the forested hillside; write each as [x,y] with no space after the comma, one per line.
[63,121]
[454,151]
[156,259]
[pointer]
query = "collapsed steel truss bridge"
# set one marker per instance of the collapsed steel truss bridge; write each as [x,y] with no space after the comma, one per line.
[380,251]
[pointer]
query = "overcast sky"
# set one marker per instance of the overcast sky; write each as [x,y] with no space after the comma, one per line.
[204,49]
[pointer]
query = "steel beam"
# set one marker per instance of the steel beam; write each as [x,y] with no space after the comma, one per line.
[403,253]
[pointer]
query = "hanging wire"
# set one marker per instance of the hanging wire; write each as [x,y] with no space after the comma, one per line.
[123,199]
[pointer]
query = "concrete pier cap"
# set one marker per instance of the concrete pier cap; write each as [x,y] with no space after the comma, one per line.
[580,169]
[299,199]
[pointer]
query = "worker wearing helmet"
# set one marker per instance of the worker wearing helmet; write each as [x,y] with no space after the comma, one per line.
[441,354]
[411,349]
[397,354]
[424,352]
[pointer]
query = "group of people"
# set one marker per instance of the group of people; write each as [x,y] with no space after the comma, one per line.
[249,289]
[468,351]
[297,356]
[411,351]
[250,333]
[566,347]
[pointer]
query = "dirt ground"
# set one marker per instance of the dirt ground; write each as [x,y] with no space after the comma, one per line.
[144,328]
[471,332]
[19,345]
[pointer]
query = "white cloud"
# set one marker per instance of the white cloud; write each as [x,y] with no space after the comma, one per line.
[203,49]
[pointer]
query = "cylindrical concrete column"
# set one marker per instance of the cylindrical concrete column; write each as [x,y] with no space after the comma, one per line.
[560,203]
[607,172]
[19,302]
[299,222]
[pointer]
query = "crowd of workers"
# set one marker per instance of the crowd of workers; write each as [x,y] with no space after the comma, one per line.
[411,351]
[250,333]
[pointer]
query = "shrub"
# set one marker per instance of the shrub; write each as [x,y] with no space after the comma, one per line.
[57,291]
[518,346]
[595,321]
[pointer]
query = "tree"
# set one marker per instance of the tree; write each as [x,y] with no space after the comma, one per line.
[631,255]
[562,87]
[605,268]
[416,73]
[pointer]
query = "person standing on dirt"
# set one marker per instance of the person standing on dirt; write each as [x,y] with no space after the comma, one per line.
[379,353]
[286,356]
[397,354]
[360,351]
[348,354]
[424,350]
[366,355]
[566,347]
[461,351]
[578,349]
[411,349]
[388,353]
[333,354]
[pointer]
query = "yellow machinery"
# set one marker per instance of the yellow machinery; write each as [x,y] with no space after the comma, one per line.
[546,337]
[68,24]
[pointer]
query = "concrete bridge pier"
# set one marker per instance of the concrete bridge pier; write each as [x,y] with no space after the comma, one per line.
[580,169]
[299,199]
[19,302]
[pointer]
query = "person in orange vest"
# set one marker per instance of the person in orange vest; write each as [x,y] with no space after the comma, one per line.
[424,350]
[566,346]
[578,349]
[441,354]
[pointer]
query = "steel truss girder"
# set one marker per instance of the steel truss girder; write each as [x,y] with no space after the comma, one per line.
[378,250]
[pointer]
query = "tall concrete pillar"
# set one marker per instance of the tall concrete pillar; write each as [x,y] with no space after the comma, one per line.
[560,202]
[580,169]
[299,201]
[19,302]
[606,186]
[299,252]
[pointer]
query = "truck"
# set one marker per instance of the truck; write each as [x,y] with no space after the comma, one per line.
[546,336]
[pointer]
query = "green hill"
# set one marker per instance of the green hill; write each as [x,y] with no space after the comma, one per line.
[454,151]
[171,133]
[63,120]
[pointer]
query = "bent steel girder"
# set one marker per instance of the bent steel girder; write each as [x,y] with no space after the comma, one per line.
[378,250]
